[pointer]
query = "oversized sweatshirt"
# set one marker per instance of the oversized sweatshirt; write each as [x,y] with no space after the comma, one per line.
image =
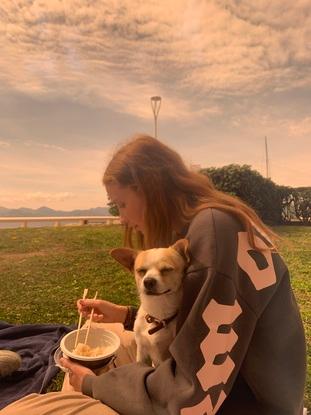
[240,345]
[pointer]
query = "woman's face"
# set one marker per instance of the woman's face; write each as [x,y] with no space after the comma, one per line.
[130,203]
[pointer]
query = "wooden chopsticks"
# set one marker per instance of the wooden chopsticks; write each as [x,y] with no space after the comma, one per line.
[90,321]
[80,318]
[85,292]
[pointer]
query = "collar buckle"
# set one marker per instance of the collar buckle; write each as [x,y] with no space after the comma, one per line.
[159,324]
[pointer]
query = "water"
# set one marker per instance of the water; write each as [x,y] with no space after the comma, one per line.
[14,225]
[50,223]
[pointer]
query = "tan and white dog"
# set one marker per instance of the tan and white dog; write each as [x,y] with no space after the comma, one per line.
[158,274]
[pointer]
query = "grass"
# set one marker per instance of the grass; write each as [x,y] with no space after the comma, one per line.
[44,270]
[295,248]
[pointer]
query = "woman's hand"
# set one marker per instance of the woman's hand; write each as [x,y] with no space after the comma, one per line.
[104,311]
[76,373]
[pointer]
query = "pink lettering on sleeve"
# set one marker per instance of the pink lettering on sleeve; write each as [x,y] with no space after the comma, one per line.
[215,343]
[205,407]
[261,278]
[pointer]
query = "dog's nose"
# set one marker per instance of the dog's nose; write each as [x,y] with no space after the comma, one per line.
[150,283]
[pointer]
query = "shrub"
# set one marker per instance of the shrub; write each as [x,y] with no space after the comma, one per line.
[302,204]
[261,194]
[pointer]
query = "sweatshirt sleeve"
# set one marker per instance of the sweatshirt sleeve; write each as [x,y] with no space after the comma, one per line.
[199,365]
[137,389]
[219,362]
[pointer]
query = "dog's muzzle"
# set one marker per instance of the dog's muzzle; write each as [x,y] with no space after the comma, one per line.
[156,293]
[150,285]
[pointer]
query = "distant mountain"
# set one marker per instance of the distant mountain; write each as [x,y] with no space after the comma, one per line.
[46,211]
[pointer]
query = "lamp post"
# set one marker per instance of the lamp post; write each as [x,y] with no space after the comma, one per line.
[155,105]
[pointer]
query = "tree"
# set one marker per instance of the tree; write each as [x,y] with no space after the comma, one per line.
[288,209]
[260,193]
[302,204]
[113,209]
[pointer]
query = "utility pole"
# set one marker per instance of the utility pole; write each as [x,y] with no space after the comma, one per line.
[267,159]
[155,105]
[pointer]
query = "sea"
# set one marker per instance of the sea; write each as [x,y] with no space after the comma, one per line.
[32,224]
[44,223]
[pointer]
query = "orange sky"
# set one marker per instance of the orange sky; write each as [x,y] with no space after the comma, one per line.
[76,79]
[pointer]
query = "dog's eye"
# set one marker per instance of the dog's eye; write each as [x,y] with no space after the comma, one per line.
[141,271]
[166,270]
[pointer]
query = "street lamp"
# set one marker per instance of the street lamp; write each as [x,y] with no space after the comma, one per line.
[155,105]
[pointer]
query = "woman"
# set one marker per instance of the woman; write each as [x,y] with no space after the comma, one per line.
[240,346]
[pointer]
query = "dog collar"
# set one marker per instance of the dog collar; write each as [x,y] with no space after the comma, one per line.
[159,324]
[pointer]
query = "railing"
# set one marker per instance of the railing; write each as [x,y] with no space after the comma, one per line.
[58,220]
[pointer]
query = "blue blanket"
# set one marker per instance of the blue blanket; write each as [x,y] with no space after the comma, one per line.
[36,344]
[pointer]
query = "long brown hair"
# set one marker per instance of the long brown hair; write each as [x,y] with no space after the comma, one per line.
[173,193]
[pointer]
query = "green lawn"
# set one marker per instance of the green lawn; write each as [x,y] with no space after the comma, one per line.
[296,250]
[44,270]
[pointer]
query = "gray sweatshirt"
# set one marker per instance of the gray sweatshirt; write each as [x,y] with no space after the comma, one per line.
[240,346]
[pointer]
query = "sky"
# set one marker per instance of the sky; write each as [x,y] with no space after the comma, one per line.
[76,77]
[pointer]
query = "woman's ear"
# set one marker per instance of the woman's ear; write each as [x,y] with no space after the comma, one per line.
[182,247]
[125,256]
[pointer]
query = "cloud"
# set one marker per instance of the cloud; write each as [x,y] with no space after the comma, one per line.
[31,143]
[66,180]
[76,74]
[78,168]
[4,144]
[118,54]
[270,121]
[37,197]
[38,172]
[298,128]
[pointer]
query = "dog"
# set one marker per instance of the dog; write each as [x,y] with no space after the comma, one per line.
[159,275]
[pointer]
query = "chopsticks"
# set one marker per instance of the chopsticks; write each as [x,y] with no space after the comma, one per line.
[80,318]
[90,321]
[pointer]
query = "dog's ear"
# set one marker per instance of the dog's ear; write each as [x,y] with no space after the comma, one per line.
[125,256]
[182,247]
